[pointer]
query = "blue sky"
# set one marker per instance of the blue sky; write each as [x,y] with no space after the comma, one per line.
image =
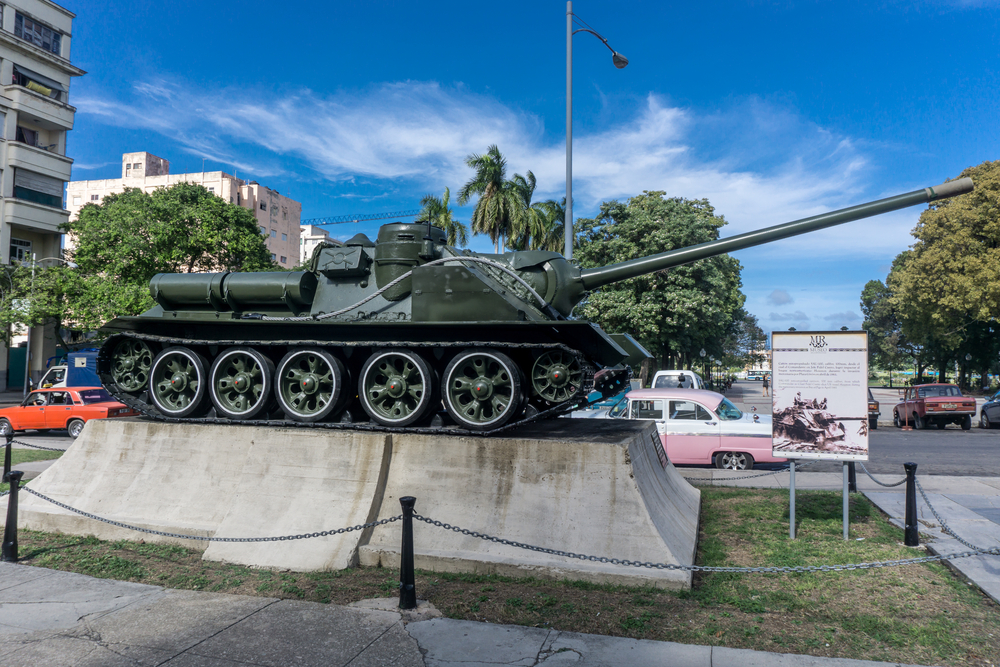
[771,110]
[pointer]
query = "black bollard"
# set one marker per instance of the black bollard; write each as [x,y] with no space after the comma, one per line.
[9,550]
[6,455]
[852,478]
[911,536]
[407,585]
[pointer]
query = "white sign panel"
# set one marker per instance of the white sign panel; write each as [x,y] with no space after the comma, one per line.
[819,389]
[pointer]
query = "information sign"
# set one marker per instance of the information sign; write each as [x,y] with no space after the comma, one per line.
[819,395]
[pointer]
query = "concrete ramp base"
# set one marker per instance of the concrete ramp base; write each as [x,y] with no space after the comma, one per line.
[598,488]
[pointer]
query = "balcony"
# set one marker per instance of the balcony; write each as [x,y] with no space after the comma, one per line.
[37,217]
[38,160]
[51,113]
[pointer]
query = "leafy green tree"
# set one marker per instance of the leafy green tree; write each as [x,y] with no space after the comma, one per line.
[121,244]
[888,347]
[436,210]
[950,279]
[674,312]
[500,208]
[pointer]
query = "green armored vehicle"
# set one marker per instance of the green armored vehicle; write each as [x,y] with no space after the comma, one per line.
[383,334]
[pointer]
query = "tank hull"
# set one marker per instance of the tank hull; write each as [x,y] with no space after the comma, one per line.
[581,345]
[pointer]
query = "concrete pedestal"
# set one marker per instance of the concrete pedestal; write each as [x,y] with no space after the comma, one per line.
[593,487]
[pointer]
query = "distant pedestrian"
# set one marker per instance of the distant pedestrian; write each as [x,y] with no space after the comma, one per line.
[766,385]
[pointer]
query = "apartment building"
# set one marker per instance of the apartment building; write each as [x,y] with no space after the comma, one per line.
[35,117]
[311,236]
[277,216]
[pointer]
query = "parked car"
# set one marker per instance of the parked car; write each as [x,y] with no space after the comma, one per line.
[701,427]
[677,379]
[938,404]
[873,412]
[61,408]
[989,416]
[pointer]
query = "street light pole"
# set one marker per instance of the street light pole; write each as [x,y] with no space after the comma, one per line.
[620,62]
[568,221]
[27,355]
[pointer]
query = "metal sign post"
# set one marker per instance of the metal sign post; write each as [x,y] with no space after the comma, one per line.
[791,499]
[846,509]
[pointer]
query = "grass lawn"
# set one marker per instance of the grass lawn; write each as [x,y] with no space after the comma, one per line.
[25,456]
[921,614]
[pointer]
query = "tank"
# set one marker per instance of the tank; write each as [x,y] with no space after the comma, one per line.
[400,333]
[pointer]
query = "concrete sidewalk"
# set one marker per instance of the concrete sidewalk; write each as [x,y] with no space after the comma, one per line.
[59,619]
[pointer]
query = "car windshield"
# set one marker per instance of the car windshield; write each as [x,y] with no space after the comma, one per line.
[728,412]
[935,392]
[95,396]
[670,382]
[619,409]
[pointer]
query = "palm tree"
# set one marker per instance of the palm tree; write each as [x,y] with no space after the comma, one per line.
[500,208]
[436,210]
[551,220]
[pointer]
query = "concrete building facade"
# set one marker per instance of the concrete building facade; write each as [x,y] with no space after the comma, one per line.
[311,236]
[35,118]
[277,215]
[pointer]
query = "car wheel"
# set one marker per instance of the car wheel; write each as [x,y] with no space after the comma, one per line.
[74,428]
[967,423]
[918,423]
[5,428]
[733,461]
[895,420]
[984,422]
[942,426]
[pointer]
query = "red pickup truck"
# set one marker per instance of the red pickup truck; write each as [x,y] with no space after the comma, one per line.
[938,404]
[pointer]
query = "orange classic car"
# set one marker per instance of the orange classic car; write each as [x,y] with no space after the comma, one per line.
[62,408]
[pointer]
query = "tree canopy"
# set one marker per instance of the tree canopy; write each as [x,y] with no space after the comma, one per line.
[437,210]
[941,300]
[673,312]
[121,243]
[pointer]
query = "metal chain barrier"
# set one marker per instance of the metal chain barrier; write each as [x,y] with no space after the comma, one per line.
[949,531]
[28,444]
[282,538]
[784,468]
[902,481]
[707,568]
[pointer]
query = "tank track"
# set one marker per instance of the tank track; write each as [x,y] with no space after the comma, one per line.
[150,411]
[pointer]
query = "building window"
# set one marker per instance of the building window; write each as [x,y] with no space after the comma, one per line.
[36,82]
[95,197]
[274,234]
[40,35]
[20,251]
[273,257]
[137,165]
[38,188]
[211,189]
[284,260]
[76,200]
[263,230]
[284,237]
[263,206]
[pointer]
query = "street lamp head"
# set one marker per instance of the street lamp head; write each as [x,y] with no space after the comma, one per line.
[619,60]
[702,353]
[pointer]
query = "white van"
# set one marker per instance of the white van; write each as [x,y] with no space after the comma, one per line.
[677,380]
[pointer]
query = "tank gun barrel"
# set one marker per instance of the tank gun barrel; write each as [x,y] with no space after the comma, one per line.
[594,278]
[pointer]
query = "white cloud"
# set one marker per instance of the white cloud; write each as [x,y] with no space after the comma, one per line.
[754,161]
[797,316]
[779,297]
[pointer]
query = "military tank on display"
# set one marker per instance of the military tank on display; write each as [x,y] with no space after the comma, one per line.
[384,334]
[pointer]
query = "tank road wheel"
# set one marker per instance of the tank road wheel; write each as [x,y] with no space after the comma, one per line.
[556,376]
[308,384]
[482,389]
[178,382]
[396,387]
[130,364]
[240,383]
